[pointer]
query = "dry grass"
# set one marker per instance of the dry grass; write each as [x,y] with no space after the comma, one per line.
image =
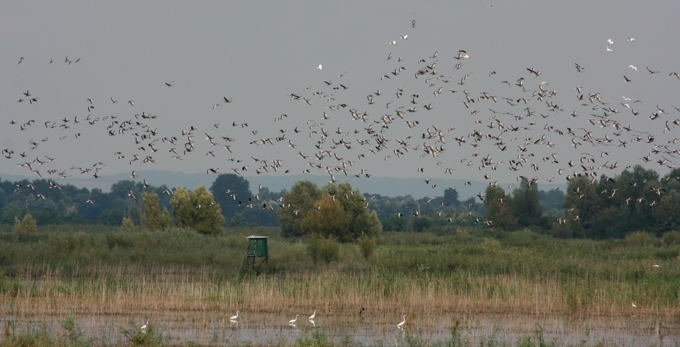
[331,292]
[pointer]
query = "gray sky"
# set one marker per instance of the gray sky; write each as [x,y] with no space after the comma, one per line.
[259,55]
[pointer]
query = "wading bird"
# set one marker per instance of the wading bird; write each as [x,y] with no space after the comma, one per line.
[234,318]
[294,320]
[400,325]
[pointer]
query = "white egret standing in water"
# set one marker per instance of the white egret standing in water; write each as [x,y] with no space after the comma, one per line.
[311,319]
[400,325]
[144,327]
[234,319]
[294,320]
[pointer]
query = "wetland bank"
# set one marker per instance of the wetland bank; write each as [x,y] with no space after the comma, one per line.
[476,286]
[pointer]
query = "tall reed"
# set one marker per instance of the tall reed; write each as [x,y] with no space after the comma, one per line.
[68,272]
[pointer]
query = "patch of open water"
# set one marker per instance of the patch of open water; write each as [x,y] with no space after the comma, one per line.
[272,329]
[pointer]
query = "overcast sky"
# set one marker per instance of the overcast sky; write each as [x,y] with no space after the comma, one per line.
[328,87]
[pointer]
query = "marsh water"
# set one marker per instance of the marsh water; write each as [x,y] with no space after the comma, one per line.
[365,330]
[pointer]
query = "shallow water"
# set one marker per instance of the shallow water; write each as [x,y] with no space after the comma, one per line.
[270,329]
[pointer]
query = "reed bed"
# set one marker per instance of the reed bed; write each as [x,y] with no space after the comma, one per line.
[68,273]
[335,294]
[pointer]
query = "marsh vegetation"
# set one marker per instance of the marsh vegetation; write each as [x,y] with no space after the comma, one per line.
[94,275]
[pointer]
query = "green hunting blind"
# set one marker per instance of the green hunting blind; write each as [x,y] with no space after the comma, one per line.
[257,248]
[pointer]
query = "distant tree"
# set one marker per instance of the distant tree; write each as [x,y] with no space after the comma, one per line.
[582,204]
[295,205]
[671,182]
[497,206]
[525,207]
[207,217]
[328,219]
[182,208]
[197,210]
[394,223]
[421,223]
[362,221]
[153,217]
[667,212]
[231,192]
[552,202]
[264,213]
[10,212]
[335,211]
[451,197]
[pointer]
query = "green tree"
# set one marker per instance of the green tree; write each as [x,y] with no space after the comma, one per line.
[667,212]
[497,205]
[182,208]
[197,210]
[231,192]
[525,207]
[451,197]
[552,202]
[421,223]
[334,211]
[582,204]
[362,221]
[295,205]
[153,217]
[328,219]
[207,216]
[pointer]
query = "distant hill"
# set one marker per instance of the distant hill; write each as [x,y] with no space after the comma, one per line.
[386,186]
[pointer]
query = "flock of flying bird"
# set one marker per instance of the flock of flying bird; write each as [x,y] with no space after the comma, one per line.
[431,109]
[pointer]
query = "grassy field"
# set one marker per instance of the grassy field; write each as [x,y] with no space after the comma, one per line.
[65,272]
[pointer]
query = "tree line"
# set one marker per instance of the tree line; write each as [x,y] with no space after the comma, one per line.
[606,207]
[637,199]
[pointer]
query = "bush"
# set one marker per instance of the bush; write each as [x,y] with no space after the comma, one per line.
[641,238]
[492,246]
[149,336]
[73,332]
[326,249]
[25,226]
[671,238]
[128,225]
[367,246]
